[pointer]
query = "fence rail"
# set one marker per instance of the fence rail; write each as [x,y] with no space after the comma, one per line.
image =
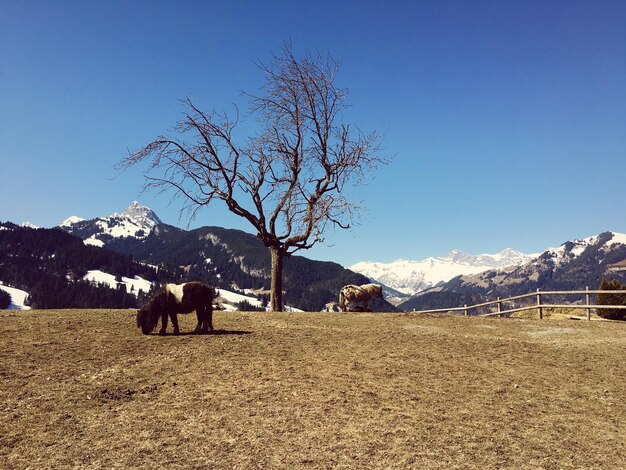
[539,304]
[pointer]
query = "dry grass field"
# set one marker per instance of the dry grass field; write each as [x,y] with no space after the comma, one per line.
[84,389]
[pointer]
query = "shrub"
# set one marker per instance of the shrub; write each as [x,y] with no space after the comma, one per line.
[612,299]
[5,300]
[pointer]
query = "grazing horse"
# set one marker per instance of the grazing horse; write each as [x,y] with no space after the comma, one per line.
[172,299]
[364,293]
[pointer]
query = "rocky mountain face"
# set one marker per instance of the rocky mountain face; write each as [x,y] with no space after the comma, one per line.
[573,265]
[136,221]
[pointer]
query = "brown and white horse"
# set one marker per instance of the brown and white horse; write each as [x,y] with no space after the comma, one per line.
[354,293]
[172,299]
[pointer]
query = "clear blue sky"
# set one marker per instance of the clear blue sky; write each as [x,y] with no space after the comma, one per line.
[506,120]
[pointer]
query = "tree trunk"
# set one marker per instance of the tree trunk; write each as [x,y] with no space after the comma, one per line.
[276,289]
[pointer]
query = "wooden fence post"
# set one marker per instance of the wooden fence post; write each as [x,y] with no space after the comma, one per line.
[539,304]
[466,310]
[499,306]
[587,299]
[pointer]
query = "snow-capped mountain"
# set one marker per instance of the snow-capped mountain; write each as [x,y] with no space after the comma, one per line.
[141,215]
[571,250]
[409,277]
[28,225]
[575,264]
[225,258]
[71,221]
[136,221]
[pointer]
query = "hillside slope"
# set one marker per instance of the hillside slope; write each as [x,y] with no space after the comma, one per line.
[51,266]
[227,258]
[311,390]
[235,259]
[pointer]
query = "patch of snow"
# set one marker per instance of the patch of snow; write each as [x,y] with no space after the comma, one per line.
[93,241]
[119,227]
[28,225]
[133,285]
[232,300]
[156,268]
[18,297]
[561,254]
[229,307]
[101,277]
[293,309]
[137,283]
[618,238]
[236,298]
[71,220]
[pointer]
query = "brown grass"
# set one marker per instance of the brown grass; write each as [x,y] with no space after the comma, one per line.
[558,314]
[84,389]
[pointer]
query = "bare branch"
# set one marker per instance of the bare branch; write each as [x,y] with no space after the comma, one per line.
[288,180]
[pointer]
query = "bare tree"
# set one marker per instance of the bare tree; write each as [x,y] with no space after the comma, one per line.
[288,180]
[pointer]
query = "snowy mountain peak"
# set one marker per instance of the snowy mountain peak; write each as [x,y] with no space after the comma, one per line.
[136,221]
[573,265]
[409,277]
[142,215]
[618,238]
[71,220]
[570,250]
[28,225]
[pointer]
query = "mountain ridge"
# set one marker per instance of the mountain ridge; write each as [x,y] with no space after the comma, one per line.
[409,277]
[225,258]
[573,265]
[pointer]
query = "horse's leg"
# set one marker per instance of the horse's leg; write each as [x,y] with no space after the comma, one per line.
[205,319]
[343,302]
[209,316]
[174,318]
[198,328]
[163,324]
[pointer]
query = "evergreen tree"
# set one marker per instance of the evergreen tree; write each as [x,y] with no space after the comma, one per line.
[612,299]
[246,306]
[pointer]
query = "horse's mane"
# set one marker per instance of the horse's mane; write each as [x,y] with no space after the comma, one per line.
[365,289]
[372,289]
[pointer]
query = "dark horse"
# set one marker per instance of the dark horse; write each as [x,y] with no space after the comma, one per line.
[172,299]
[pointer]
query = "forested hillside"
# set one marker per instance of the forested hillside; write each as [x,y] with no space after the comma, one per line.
[50,265]
[232,258]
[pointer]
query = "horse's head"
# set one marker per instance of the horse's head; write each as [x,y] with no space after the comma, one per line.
[147,318]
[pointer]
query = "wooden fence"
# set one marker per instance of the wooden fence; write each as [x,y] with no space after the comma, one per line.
[539,304]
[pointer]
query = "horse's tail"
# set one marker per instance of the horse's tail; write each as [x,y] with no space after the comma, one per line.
[342,301]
